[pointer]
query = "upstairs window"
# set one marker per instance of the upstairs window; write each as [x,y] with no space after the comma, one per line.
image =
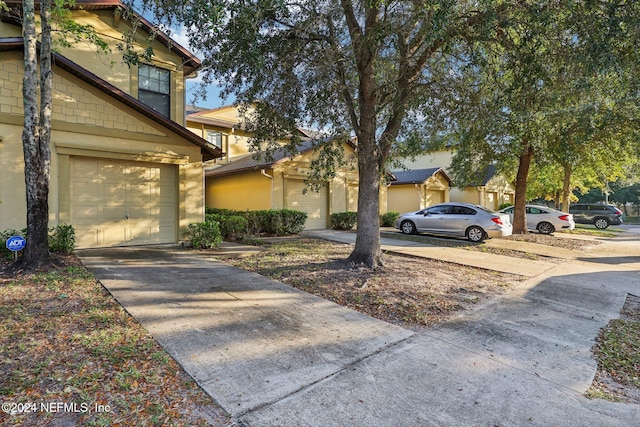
[154,86]
[214,138]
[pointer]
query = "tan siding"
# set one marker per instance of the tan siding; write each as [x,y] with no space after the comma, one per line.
[403,198]
[250,191]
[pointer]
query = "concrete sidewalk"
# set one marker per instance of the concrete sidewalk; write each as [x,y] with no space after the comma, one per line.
[488,261]
[247,340]
[275,356]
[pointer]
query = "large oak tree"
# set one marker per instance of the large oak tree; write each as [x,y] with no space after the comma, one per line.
[369,69]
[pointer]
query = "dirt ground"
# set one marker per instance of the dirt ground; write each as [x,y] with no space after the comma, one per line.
[414,292]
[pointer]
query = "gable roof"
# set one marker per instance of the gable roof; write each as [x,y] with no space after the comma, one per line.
[202,116]
[417,176]
[189,61]
[209,151]
[251,163]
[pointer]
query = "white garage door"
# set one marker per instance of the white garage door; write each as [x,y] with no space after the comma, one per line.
[314,204]
[115,202]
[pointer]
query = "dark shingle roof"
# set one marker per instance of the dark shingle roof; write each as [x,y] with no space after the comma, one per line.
[417,176]
[249,162]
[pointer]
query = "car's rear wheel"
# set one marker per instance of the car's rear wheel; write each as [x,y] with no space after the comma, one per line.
[408,227]
[545,228]
[601,223]
[475,234]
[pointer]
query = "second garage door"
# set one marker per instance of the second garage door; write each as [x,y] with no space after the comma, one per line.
[116,202]
[314,204]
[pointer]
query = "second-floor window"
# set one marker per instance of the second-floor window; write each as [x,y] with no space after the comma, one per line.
[214,138]
[154,87]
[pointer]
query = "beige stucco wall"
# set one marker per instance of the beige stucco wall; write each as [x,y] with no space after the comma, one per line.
[497,191]
[413,197]
[87,122]
[403,198]
[439,159]
[109,66]
[247,191]
[253,190]
[235,143]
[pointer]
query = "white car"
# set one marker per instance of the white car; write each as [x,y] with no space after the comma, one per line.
[545,220]
[474,222]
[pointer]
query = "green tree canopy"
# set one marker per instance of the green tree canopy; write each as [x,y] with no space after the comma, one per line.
[375,70]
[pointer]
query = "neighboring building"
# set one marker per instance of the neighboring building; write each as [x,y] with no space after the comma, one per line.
[124,169]
[417,189]
[492,191]
[241,182]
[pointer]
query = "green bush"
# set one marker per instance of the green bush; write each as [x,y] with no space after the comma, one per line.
[231,227]
[343,220]
[204,235]
[62,239]
[504,205]
[293,221]
[389,219]
[276,222]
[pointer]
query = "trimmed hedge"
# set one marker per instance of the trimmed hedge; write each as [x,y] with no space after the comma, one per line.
[231,227]
[275,222]
[344,220]
[204,235]
[389,219]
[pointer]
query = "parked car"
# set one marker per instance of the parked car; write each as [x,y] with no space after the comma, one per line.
[543,219]
[474,222]
[598,214]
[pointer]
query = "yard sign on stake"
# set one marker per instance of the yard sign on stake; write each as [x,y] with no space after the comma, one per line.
[16,244]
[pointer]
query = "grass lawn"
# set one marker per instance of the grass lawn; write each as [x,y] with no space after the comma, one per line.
[71,355]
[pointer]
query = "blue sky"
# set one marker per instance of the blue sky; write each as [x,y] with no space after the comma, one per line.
[213,93]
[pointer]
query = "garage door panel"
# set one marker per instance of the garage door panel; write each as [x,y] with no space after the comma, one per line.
[313,203]
[113,213]
[84,213]
[105,191]
[112,193]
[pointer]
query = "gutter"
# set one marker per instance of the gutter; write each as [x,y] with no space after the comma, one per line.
[263,173]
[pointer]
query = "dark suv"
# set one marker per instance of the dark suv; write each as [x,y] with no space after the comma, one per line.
[600,215]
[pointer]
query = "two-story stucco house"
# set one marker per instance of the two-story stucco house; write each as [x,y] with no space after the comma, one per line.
[491,191]
[240,181]
[125,170]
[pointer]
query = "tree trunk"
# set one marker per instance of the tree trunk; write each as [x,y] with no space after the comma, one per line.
[367,248]
[35,136]
[566,188]
[519,210]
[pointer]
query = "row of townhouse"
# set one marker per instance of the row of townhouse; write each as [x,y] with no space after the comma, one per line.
[127,167]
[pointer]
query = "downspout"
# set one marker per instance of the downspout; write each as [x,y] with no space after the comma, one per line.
[262,172]
[419,196]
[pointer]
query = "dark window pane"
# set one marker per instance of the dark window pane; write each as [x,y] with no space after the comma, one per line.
[157,101]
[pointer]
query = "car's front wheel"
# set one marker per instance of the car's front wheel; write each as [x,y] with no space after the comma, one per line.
[408,227]
[545,228]
[475,234]
[601,223]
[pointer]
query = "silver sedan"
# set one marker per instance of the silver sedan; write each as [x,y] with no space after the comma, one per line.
[474,222]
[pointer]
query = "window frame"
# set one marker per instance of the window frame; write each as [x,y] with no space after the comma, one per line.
[151,86]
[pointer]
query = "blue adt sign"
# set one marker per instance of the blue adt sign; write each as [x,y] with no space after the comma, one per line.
[16,243]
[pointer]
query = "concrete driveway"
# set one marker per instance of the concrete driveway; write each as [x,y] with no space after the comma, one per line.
[274,356]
